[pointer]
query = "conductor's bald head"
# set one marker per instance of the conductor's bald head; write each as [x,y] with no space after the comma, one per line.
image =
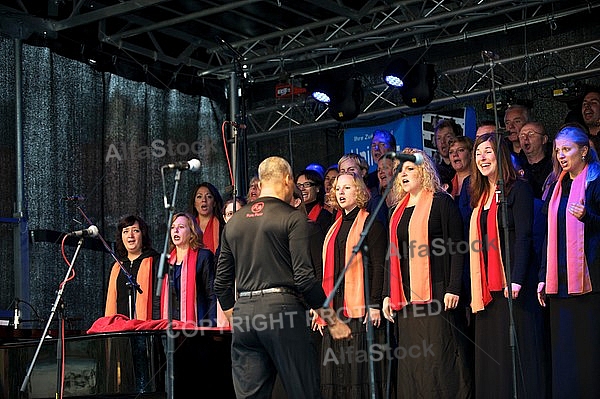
[276,178]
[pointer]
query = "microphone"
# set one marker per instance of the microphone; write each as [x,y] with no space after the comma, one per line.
[91,231]
[237,125]
[192,165]
[490,55]
[417,158]
[17,314]
[74,198]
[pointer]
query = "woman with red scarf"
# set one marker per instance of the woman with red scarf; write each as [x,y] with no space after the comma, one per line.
[423,286]
[344,364]
[310,184]
[499,367]
[191,275]
[570,278]
[206,205]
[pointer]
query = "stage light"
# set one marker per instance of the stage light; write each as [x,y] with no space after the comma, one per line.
[416,83]
[395,73]
[321,96]
[419,88]
[343,97]
[346,100]
[321,90]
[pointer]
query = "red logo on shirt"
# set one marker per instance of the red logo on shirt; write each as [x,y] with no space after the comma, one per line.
[256,210]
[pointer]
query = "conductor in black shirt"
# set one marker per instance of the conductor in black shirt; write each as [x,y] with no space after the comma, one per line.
[265,250]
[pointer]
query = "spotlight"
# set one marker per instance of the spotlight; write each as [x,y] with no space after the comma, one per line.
[395,73]
[322,91]
[343,97]
[419,88]
[416,83]
[347,100]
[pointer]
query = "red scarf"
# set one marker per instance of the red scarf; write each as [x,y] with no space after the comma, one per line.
[578,273]
[188,311]
[210,236]
[143,301]
[419,266]
[455,187]
[354,293]
[483,283]
[314,212]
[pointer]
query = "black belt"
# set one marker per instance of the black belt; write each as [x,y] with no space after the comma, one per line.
[274,290]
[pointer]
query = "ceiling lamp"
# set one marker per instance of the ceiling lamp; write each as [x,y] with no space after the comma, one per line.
[416,83]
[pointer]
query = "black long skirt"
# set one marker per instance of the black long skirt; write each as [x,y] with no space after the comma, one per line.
[345,363]
[499,367]
[575,342]
[431,357]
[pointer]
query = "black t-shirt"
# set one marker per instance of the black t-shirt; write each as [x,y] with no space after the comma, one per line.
[266,244]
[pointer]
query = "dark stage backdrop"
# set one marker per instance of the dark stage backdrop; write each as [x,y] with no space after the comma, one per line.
[102,137]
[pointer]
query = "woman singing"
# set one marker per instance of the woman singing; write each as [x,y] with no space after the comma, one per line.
[193,273]
[423,286]
[350,378]
[570,278]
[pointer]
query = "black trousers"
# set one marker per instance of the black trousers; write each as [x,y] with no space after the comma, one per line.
[271,335]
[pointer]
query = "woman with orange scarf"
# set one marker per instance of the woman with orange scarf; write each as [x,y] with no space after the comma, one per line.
[133,248]
[191,276]
[344,365]
[500,367]
[423,286]
[570,277]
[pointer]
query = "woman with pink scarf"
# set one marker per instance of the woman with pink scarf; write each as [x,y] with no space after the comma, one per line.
[570,277]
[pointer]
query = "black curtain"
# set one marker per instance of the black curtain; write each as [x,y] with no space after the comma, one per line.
[102,137]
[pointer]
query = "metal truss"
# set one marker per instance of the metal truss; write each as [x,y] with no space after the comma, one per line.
[559,67]
[265,40]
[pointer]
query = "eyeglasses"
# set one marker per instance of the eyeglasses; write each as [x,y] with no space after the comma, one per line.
[307,184]
[529,133]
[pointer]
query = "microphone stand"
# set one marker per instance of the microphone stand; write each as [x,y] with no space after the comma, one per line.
[362,246]
[501,200]
[161,272]
[57,301]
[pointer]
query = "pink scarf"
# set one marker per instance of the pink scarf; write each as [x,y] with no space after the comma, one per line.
[188,311]
[578,274]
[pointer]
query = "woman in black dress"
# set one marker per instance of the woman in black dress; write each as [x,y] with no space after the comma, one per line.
[344,364]
[502,368]
[423,286]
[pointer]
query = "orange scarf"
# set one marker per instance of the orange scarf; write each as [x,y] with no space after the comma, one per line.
[354,292]
[578,274]
[495,280]
[188,304]
[419,266]
[210,236]
[143,301]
